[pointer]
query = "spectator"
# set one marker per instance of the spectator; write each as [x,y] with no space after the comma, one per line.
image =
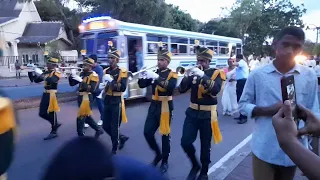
[18,69]
[31,74]
[287,133]
[87,158]
[242,73]
[262,98]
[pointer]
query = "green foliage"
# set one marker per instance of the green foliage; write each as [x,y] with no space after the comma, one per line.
[53,49]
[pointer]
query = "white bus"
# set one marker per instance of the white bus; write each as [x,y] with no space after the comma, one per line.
[128,37]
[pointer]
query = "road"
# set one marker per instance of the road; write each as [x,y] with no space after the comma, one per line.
[32,153]
[22,88]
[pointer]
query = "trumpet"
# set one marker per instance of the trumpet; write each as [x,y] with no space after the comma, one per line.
[132,75]
[182,70]
[80,69]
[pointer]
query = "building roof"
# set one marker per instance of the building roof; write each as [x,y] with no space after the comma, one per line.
[9,10]
[40,32]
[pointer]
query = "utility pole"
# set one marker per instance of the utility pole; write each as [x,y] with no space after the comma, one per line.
[317,29]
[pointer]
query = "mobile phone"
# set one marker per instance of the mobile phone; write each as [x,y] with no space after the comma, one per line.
[289,93]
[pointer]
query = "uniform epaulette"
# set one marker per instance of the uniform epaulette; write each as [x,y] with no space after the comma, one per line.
[94,77]
[174,74]
[122,69]
[222,74]
[58,74]
[94,73]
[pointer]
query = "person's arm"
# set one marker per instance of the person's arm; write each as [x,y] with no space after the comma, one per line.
[122,85]
[314,107]
[54,79]
[185,84]
[73,82]
[143,83]
[307,161]
[213,87]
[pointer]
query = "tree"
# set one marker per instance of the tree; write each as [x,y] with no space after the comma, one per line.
[182,20]
[218,27]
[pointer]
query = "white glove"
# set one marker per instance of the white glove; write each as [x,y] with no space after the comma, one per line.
[151,75]
[143,75]
[77,78]
[196,71]
[73,72]
[38,71]
[107,77]
[102,86]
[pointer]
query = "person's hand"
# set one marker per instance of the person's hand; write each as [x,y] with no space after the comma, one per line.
[77,78]
[107,78]
[38,71]
[151,75]
[312,123]
[196,71]
[284,124]
[273,109]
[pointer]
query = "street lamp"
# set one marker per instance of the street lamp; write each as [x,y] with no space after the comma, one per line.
[315,27]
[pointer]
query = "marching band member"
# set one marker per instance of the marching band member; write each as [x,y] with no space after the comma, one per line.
[115,83]
[88,82]
[163,82]
[49,103]
[202,113]
[7,134]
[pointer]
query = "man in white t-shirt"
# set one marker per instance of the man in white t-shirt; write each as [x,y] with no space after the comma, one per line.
[31,67]
[254,63]
[311,63]
[265,60]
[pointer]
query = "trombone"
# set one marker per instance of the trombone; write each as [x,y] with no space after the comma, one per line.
[182,70]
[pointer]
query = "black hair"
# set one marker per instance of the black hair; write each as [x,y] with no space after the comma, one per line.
[239,56]
[94,57]
[291,30]
[79,159]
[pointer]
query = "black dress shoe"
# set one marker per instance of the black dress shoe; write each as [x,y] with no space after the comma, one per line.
[98,133]
[52,135]
[156,160]
[123,140]
[164,167]
[242,121]
[193,172]
[203,177]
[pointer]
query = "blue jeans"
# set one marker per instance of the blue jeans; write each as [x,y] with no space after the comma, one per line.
[99,103]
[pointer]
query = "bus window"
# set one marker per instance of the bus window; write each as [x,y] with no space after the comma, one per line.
[179,45]
[102,41]
[153,42]
[223,48]
[192,45]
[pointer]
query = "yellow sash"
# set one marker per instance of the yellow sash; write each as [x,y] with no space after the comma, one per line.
[165,113]
[216,133]
[53,102]
[85,109]
[7,116]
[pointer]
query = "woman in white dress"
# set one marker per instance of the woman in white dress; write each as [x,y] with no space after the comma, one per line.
[229,96]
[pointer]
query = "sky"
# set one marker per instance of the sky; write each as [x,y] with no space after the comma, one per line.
[204,10]
[208,9]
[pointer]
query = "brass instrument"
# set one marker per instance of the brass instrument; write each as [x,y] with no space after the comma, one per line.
[182,70]
[132,75]
[69,68]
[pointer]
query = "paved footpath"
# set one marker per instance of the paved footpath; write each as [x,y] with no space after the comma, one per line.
[244,171]
[24,81]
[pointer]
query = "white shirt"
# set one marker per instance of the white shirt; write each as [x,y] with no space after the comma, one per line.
[254,64]
[317,70]
[265,61]
[310,63]
[31,67]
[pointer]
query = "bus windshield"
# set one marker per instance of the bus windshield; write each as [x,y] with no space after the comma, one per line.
[102,42]
[87,42]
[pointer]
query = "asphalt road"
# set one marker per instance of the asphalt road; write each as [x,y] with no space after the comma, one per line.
[32,153]
[22,88]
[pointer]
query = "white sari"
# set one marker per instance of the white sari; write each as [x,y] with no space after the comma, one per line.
[229,97]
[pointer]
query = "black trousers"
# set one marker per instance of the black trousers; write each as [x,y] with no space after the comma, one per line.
[151,126]
[239,90]
[89,120]
[197,121]
[31,76]
[111,123]
[43,112]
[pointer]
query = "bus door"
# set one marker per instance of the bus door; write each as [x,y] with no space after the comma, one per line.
[135,61]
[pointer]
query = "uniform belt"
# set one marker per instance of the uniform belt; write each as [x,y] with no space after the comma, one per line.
[216,133]
[50,91]
[114,94]
[84,93]
[162,98]
[203,107]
